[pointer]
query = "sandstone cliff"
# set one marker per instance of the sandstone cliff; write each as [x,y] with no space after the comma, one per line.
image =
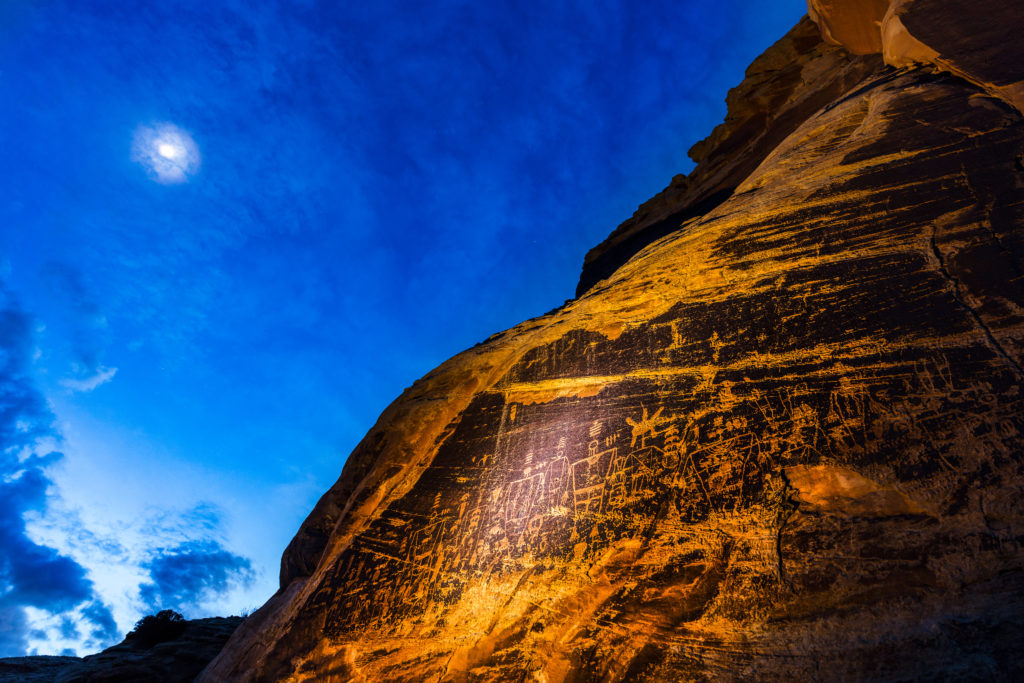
[778,435]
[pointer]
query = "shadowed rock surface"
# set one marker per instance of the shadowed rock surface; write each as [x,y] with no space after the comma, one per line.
[41,669]
[178,660]
[792,80]
[782,439]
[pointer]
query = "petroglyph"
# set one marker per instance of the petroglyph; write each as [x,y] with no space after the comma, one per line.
[772,439]
[553,485]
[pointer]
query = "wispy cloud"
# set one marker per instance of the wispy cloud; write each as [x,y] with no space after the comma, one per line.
[101,376]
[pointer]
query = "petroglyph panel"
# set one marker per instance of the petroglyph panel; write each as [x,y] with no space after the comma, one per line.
[567,479]
[787,433]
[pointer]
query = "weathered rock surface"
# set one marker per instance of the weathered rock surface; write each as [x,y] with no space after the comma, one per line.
[39,669]
[792,80]
[174,661]
[976,40]
[782,441]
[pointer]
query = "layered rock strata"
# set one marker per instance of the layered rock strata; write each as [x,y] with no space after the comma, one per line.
[781,441]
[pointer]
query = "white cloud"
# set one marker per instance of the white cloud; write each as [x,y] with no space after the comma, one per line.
[101,376]
[113,526]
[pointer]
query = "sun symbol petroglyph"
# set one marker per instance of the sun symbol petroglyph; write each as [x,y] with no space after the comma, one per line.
[646,426]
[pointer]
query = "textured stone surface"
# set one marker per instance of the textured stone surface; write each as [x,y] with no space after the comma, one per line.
[976,40]
[854,24]
[793,79]
[800,74]
[173,661]
[783,441]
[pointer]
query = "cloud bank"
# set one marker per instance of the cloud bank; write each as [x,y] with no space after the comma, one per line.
[192,573]
[47,595]
[32,575]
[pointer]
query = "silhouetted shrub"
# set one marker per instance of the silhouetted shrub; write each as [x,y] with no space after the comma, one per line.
[157,628]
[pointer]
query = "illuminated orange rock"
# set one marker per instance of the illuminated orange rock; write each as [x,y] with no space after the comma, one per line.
[854,24]
[782,441]
[977,40]
[792,80]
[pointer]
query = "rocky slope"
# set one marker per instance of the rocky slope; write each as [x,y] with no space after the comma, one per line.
[779,434]
[176,660]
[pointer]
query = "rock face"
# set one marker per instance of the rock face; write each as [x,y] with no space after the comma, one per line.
[792,80]
[854,24]
[178,660]
[977,40]
[781,439]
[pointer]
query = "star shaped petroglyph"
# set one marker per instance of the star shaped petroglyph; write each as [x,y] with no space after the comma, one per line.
[646,425]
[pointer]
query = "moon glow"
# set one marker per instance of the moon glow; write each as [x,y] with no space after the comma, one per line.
[168,153]
[168,150]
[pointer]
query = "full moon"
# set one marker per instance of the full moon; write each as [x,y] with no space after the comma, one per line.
[167,152]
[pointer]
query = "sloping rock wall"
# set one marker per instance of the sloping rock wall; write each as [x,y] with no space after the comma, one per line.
[783,440]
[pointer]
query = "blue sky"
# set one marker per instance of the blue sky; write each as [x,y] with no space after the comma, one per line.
[356,193]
